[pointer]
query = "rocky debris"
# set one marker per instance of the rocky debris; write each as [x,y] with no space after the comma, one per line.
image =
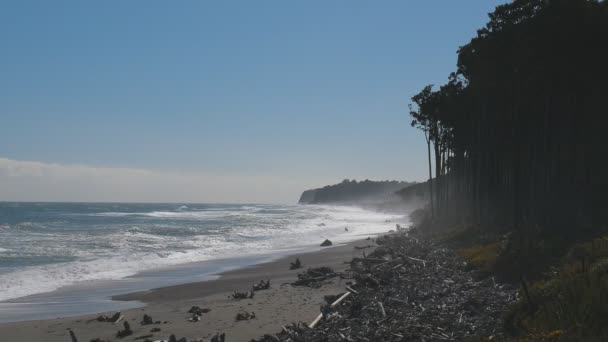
[242,295]
[196,310]
[125,332]
[155,330]
[314,277]
[115,318]
[412,289]
[326,243]
[295,265]
[262,285]
[219,337]
[245,316]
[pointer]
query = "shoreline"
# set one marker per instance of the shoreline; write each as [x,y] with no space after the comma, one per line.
[128,258]
[273,307]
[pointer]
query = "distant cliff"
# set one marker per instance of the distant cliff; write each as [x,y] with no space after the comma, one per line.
[307,196]
[352,191]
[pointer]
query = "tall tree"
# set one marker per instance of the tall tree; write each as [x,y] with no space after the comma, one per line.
[517,131]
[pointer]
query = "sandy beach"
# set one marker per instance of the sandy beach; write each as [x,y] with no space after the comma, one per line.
[280,305]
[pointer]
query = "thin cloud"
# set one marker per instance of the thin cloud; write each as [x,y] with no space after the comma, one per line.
[39,181]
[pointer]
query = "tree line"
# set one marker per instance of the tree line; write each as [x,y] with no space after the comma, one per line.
[516,137]
[352,191]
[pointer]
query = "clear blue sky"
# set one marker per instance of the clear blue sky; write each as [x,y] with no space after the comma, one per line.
[310,91]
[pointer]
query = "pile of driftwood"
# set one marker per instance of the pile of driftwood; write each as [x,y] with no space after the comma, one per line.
[262,285]
[197,313]
[197,310]
[245,316]
[295,265]
[117,317]
[125,332]
[408,289]
[147,320]
[314,277]
[242,295]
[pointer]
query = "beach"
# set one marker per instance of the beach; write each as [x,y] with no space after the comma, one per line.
[280,305]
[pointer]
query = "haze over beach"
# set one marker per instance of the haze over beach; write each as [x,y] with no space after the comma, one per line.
[303,172]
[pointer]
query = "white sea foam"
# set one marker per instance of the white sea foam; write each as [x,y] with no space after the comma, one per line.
[131,248]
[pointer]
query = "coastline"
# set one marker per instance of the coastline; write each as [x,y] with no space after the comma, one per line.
[277,306]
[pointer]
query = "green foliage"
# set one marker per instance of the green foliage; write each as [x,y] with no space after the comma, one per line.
[482,257]
[573,299]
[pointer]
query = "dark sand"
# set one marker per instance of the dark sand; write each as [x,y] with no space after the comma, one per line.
[280,305]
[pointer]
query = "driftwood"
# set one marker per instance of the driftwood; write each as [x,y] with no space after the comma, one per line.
[219,337]
[73,336]
[125,332]
[318,319]
[196,310]
[382,309]
[295,265]
[244,316]
[147,320]
[262,285]
[412,289]
[369,260]
[194,318]
[351,290]
[363,247]
[314,276]
[340,299]
[115,318]
[243,295]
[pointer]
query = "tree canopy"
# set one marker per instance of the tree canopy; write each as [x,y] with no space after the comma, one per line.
[517,132]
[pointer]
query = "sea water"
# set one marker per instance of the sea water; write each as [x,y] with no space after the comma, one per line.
[101,249]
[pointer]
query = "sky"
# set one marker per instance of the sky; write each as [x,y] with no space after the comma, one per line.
[217,101]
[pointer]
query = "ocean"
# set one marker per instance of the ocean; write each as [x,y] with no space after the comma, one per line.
[64,257]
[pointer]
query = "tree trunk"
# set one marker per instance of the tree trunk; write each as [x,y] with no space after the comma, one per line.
[428,144]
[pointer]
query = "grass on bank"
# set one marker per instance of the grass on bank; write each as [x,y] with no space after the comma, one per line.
[567,282]
[482,257]
[573,299]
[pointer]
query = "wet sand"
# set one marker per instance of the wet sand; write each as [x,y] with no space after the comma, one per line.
[280,305]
